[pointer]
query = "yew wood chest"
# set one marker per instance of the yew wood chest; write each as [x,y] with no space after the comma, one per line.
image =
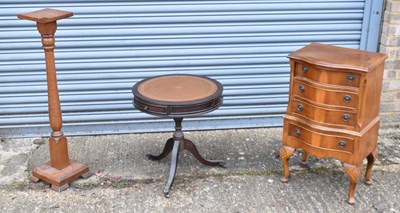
[333,109]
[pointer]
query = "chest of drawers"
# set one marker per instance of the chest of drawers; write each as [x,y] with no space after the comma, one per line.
[333,109]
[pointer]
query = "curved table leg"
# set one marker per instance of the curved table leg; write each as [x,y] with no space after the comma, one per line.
[354,174]
[285,152]
[172,169]
[371,160]
[189,145]
[167,149]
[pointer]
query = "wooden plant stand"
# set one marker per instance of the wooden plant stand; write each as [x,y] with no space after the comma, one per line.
[60,170]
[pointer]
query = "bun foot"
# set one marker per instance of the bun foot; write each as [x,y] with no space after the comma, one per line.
[34,179]
[87,175]
[60,188]
[284,179]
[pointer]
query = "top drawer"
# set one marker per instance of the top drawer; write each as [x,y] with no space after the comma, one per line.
[336,77]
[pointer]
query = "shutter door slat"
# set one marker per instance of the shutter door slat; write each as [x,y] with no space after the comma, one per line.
[106,47]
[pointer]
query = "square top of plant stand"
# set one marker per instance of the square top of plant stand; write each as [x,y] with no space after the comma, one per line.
[45,15]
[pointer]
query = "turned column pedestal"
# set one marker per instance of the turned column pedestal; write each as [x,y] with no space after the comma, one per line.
[60,170]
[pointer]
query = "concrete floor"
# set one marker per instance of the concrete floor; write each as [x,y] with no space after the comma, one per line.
[125,180]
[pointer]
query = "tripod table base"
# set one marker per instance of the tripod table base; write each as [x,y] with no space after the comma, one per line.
[175,146]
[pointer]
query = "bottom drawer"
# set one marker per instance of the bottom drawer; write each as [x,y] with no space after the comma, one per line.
[320,140]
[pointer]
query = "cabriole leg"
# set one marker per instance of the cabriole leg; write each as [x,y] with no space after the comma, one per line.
[285,152]
[304,157]
[371,160]
[354,174]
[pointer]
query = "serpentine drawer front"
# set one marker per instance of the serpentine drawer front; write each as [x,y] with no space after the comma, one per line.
[323,114]
[327,76]
[317,140]
[325,95]
[333,109]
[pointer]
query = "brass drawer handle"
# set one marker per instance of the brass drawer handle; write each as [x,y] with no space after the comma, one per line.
[342,144]
[300,107]
[301,88]
[347,98]
[350,78]
[304,69]
[297,132]
[346,117]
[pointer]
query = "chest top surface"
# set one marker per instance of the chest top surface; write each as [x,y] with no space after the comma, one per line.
[338,57]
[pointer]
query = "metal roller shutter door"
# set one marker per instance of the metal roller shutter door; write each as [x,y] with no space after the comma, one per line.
[106,47]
